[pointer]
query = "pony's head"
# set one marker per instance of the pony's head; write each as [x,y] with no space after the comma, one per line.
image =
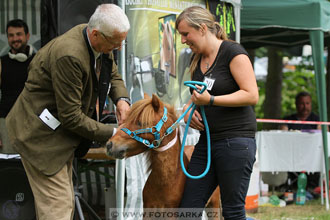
[139,131]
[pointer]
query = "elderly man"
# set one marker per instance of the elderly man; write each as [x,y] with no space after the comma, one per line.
[58,109]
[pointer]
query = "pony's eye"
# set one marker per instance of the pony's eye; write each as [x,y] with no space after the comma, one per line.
[139,123]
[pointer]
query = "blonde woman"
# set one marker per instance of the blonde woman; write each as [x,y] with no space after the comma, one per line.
[232,91]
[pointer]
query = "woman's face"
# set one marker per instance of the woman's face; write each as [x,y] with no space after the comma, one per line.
[190,36]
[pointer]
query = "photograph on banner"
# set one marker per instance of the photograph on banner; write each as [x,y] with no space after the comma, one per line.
[166,29]
[157,61]
[167,61]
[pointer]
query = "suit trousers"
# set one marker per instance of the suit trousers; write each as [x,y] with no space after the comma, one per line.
[53,195]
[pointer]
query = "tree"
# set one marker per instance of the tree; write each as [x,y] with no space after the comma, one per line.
[272,105]
[277,96]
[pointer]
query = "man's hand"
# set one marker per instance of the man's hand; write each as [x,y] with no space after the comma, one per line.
[122,109]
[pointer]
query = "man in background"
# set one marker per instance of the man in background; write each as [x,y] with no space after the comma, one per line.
[304,113]
[13,73]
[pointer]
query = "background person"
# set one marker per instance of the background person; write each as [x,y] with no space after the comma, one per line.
[13,73]
[57,109]
[228,100]
[303,113]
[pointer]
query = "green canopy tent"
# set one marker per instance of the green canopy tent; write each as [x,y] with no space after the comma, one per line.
[291,23]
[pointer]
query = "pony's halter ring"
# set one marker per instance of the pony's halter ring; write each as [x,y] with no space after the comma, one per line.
[155,130]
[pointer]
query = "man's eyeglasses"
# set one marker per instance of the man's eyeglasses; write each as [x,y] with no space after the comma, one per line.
[111,43]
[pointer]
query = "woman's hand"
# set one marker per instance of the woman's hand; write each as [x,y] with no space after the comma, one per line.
[201,99]
[196,120]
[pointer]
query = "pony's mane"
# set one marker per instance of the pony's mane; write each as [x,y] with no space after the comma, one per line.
[144,112]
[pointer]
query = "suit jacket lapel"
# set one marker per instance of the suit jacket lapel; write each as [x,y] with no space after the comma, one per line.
[104,79]
[92,59]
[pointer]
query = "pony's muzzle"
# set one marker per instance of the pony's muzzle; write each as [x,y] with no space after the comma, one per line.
[118,154]
[109,148]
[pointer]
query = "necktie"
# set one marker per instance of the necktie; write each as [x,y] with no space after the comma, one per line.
[98,71]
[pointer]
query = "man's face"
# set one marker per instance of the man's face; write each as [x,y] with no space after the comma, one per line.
[108,44]
[17,39]
[304,105]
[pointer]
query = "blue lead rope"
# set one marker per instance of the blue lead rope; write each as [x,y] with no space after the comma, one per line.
[192,106]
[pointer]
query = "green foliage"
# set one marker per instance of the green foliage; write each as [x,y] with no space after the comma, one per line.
[259,108]
[312,210]
[261,52]
[293,83]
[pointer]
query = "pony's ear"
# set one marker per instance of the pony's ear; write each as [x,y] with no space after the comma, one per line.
[146,96]
[155,102]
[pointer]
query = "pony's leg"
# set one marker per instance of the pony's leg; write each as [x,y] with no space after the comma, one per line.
[214,204]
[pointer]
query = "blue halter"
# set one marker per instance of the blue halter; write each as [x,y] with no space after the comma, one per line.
[153,130]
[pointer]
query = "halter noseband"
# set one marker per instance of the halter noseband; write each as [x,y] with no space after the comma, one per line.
[153,130]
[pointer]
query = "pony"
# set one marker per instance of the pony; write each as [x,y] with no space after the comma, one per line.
[165,184]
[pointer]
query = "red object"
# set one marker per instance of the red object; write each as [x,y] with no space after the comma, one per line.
[317,190]
[292,121]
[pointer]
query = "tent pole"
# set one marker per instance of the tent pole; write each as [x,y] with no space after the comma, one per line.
[120,164]
[317,41]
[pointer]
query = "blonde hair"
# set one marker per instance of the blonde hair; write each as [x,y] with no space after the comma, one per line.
[195,16]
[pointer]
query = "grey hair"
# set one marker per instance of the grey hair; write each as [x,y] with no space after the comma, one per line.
[109,18]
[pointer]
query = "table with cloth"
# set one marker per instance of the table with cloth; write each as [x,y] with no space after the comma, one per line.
[291,151]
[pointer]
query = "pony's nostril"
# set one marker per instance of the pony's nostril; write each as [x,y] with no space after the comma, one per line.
[109,147]
[122,153]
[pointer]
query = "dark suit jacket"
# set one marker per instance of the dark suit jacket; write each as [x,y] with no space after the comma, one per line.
[62,79]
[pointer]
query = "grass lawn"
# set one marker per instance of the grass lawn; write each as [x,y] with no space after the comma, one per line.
[312,210]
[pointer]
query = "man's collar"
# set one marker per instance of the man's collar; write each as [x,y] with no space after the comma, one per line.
[96,54]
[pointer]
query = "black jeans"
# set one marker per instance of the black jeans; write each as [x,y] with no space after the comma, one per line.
[231,167]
